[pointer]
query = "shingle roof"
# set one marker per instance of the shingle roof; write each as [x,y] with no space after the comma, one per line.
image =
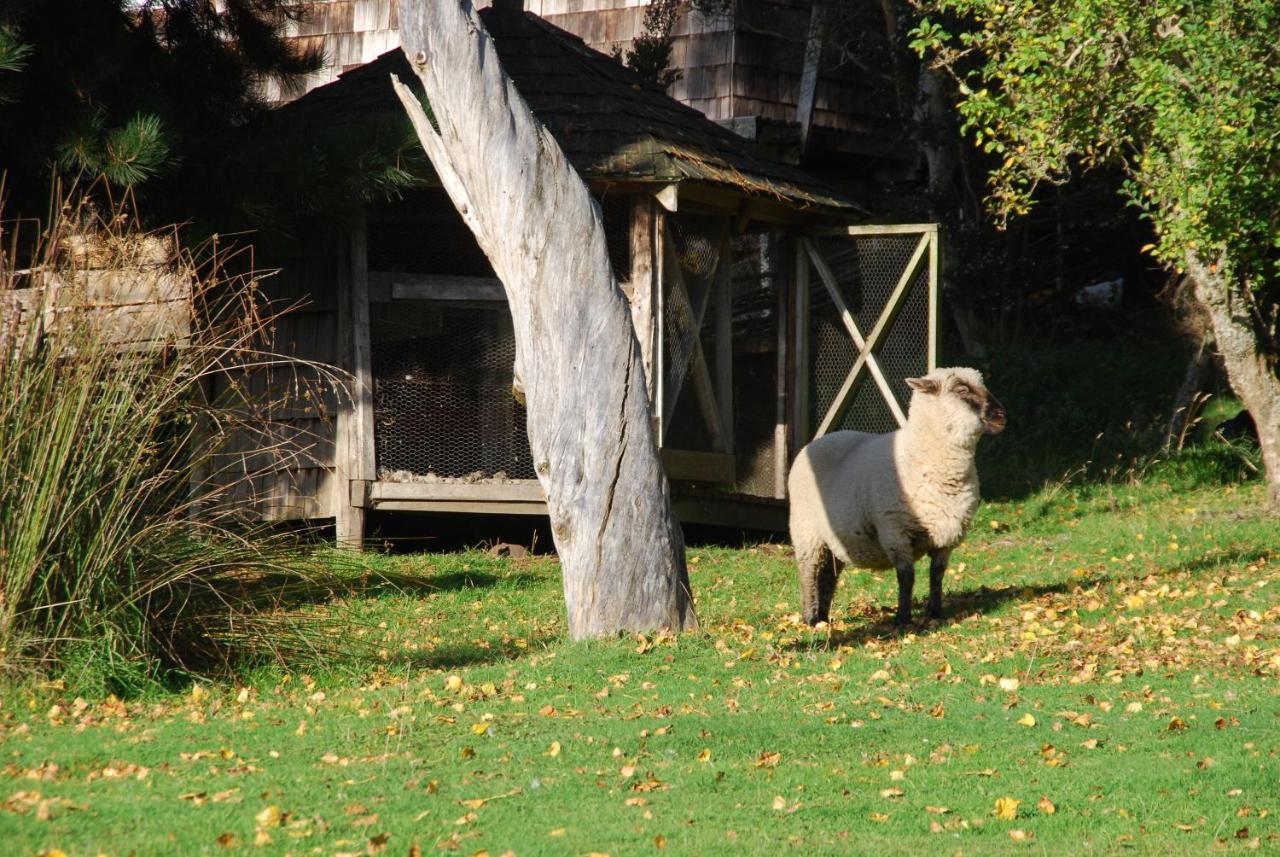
[611,123]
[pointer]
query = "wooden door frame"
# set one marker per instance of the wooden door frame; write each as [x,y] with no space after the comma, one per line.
[808,258]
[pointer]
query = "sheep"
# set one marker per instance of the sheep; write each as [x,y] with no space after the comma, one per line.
[882,501]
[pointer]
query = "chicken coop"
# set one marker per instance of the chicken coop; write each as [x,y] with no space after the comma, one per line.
[766,309]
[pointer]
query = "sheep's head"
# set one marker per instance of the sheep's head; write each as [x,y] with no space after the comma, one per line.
[960,401]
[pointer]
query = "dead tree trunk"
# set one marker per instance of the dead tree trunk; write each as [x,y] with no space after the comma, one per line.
[577,358]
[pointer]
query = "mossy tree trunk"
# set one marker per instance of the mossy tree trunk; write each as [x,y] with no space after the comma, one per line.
[577,358]
[1251,366]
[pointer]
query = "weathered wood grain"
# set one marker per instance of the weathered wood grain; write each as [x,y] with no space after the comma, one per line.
[621,549]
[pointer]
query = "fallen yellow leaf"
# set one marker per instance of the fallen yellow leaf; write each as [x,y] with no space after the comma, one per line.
[1007,808]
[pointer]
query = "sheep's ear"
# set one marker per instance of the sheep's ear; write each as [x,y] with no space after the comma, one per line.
[924,385]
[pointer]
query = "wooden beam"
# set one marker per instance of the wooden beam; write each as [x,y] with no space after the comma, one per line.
[800,337]
[381,491]
[643,300]
[933,298]
[467,507]
[724,341]
[781,429]
[355,449]
[844,398]
[691,466]
[809,74]
[404,286]
[669,197]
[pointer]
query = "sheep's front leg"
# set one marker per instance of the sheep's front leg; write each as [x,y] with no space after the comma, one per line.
[938,560]
[906,569]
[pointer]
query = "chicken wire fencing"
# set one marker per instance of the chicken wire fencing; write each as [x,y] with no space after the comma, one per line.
[442,400]
[866,269]
[756,278]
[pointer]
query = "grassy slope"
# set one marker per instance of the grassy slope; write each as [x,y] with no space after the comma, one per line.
[1140,625]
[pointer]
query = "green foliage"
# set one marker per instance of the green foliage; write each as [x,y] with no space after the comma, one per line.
[650,54]
[124,156]
[1185,96]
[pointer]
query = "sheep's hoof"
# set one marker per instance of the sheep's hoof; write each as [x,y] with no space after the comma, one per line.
[935,613]
[901,621]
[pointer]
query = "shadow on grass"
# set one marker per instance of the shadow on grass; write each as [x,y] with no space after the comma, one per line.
[876,623]
[458,656]
[1217,559]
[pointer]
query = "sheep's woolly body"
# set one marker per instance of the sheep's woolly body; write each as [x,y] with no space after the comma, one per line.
[879,500]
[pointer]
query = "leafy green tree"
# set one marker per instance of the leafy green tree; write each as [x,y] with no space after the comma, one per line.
[1185,98]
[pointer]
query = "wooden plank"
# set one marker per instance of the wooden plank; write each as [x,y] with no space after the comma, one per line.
[693,466]
[355,423]
[782,425]
[643,302]
[660,254]
[873,365]
[844,398]
[436,287]
[800,337]
[466,507]
[933,298]
[724,341]
[525,489]
[809,76]
[669,197]
[881,229]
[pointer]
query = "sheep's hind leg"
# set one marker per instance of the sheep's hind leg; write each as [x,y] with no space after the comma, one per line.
[906,569]
[828,574]
[938,560]
[811,561]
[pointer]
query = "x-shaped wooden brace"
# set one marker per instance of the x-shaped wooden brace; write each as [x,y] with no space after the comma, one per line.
[866,360]
[688,357]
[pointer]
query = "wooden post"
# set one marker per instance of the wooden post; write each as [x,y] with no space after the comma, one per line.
[782,428]
[807,93]
[643,299]
[724,343]
[354,468]
[800,339]
[621,549]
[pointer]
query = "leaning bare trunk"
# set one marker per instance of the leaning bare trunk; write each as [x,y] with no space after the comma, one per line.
[621,549]
[1251,366]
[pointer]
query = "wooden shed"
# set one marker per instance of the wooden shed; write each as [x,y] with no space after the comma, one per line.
[766,310]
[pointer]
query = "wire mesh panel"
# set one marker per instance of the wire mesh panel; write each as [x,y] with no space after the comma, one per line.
[443,405]
[756,283]
[866,269]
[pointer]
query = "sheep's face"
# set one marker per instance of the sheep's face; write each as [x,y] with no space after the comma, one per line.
[960,400]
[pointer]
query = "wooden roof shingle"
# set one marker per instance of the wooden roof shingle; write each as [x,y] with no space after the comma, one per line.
[612,125]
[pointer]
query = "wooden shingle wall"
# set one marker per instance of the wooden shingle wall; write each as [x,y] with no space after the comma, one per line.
[742,63]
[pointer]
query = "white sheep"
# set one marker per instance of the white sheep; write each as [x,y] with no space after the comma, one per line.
[884,500]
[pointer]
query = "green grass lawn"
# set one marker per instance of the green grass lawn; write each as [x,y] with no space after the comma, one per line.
[1106,682]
